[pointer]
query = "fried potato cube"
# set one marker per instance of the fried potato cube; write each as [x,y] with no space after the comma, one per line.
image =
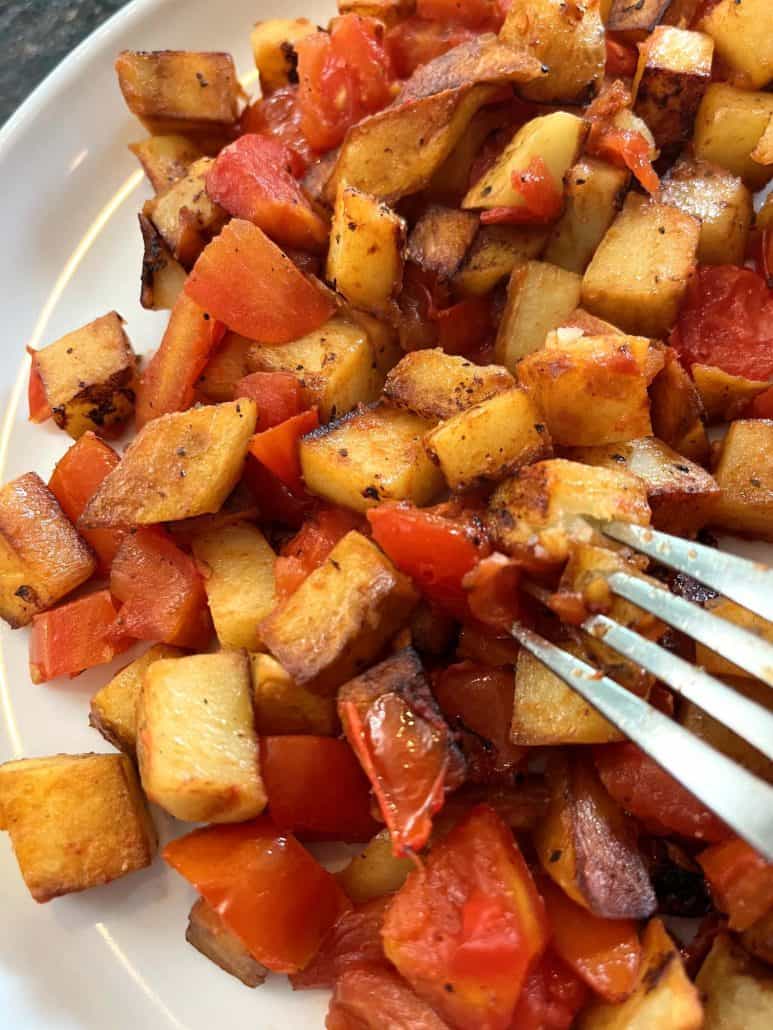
[75,821]
[284,707]
[228,364]
[633,21]
[540,296]
[179,91]
[720,202]
[376,871]
[114,707]
[388,11]
[437,385]
[237,564]
[725,396]
[714,663]
[178,466]
[673,72]
[555,138]
[728,128]
[339,619]
[335,366]
[452,179]
[677,411]
[745,477]
[664,998]
[165,159]
[368,457]
[743,37]
[440,239]
[541,510]
[737,990]
[42,558]
[208,934]
[367,243]
[589,324]
[639,273]
[185,216]
[494,253]
[272,44]
[163,277]
[196,743]
[88,376]
[490,440]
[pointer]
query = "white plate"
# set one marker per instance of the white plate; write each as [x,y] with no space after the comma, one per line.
[114,956]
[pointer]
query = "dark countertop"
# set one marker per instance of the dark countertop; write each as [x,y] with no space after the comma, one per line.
[34,37]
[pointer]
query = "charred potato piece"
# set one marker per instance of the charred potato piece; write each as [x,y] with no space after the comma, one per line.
[284,707]
[42,558]
[540,296]
[440,239]
[208,934]
[731,612]
[165,159]
[677,411]
[725,396]
[452,179]
[737,990]
[273,43]
[75,821]
[745,477]
[196,744]
[178,466]
[639,273]
[375,871]
[743,37]
[368,457]
[728,128]
[633,21]
[163,277]
[88,376]
[494,253]
[185,216]
[228,364]
[437,385]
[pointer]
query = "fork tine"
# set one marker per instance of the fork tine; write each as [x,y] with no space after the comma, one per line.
[742,801]
[746,582]
[750,652]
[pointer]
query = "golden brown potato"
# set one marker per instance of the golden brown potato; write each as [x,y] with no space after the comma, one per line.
[755,624]
[208,934]
[227,365]
[489,440]
[237,565]
[737,990]
[677,411]
[273,44]
[75,821]
[185,216]
[339,619]
[440,239]
[452,179]
[375,871]
[540,296]
[633,21]
[114,707]
[384,339]
[163,277]
[745,477]
[240,506]
[196,744]
[495,252]
[42,558]
[284,707]
[178,466]
[88,376]
[388,11]
[728,128]
[437,385]
[370,456]
[673,72]
[165,159]
[589,324]
[724,396]
[743,37]
[639,273]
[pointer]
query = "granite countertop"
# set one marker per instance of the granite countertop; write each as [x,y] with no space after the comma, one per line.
[34,37]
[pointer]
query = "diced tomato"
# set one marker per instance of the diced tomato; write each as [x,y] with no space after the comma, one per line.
[343,76]
[726,320]
[253,178]
[309,548]
[246,281]
[276,502]
[622,58]
[482,644]
[551,997]
[650,794]
[605,953]
[483,15]
[353,943]
[741,881]
[167,383]
[74,482]
[277,394]
[762,406]
[74,637]
[316,788]
[493,596]
[416,41]
[465,326]
[543,197]
[278,115]
[277,448]
[466,929]
[39,408]
[265,886]
[162,592]
[625,148]
[371,999]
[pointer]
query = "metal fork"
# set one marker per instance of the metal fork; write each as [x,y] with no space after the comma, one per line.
[743,801]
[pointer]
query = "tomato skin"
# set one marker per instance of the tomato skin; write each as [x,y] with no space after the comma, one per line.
[277,115]
[277,448]
[309,548]
[650,794]
[741,881]
[316,788]
[551,997]
[622,58]
[37,401]
[371,999]
[493,596]
[626,149]
[277,503]
[543,198]
[74,637]
[416,41]
[471,918]
[353,943]
[265,886]
[277,394]
[250,285]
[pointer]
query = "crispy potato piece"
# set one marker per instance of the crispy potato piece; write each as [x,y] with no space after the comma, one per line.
[568,41]
[720,202]
[639,273]
[240,506]
[633,21]
[178,466]
[680,493]
[755,624]
[114,708]
[437,385]
[88,376]
[163,277]
[745,477]
[589,324]
[384,339]
[196,744]
[376,871]
[388,11]
[237,564]
[185,216]
[540,296]
[368,457]
[228,364]
[452,179]
[341,616]
[743,37]
[273,43]
[165,159]
[334,364]
[440,239]
[737,990]
[724,396]
[677,411]
[664,998]
[208,934]
[284,707]
[179,91]
[540,511]
[42,558]
[489,440]
[673,72]
[433,632]
[728,128]
[495,252]
[75,821]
